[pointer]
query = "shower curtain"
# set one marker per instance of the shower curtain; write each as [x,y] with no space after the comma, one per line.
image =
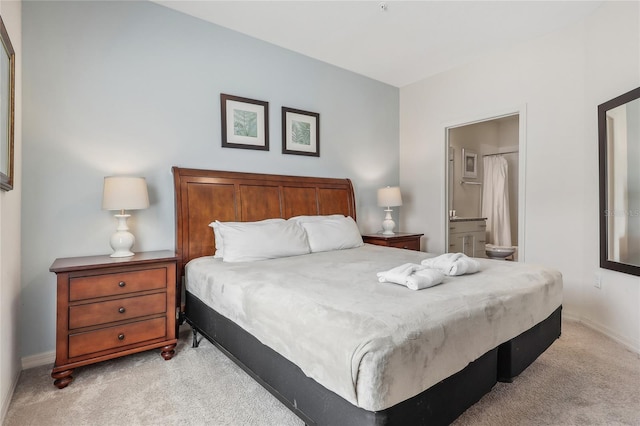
[495,200]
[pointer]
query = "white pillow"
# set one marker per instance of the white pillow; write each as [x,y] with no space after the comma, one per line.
[333,234]
[219,254]
[247,242]
[305,219]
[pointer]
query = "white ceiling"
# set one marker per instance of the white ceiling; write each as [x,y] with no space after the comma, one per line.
[407,42]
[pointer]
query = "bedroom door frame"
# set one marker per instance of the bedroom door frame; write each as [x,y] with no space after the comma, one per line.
[521,112]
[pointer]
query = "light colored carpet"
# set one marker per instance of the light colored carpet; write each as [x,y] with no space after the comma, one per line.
[583,379]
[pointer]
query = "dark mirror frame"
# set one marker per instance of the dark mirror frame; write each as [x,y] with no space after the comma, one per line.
[605,263]
[6,140]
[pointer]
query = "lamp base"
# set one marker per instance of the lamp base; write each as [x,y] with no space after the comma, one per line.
[122,240]
[388,224]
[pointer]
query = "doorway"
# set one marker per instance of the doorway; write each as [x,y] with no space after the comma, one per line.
[471,196]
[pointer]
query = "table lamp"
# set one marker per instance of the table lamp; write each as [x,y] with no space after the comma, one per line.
[389,197]
[124,193]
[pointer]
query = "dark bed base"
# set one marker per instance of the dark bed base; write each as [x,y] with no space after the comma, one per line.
[316,405]
[518,353]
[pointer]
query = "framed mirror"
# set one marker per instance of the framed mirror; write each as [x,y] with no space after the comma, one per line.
[7,104]
[619,147]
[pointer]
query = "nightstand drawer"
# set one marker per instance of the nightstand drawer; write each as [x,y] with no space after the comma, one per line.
[409,244]
[116,336]
[403,240]
[116,310]
[113,284]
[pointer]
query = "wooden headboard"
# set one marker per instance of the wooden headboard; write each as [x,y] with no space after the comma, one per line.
[203,196]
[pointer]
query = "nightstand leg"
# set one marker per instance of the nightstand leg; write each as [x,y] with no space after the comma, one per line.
[168,352]
[62,378]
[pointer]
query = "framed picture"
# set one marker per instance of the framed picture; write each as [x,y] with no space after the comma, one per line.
[300,132]
[245,123]
[7,103]
[469,164]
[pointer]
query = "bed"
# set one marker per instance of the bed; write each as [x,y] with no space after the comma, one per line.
[289,363]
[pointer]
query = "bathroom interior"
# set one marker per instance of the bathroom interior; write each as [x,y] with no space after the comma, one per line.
[483,188]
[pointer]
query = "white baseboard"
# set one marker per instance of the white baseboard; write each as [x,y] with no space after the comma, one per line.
[38,360]
[633,346]
[7,398]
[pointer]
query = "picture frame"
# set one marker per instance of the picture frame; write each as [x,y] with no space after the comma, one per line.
[7,109]
[300,132]
[245,123]
[469,164]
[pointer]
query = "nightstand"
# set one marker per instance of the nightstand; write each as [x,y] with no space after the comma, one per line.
[402,240]
[110,307]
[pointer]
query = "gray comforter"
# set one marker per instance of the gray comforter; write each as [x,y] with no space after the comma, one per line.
[375,344]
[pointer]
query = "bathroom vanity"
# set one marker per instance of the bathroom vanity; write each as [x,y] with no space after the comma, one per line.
[468,235]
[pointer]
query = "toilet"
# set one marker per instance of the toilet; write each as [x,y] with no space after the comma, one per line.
[499,252]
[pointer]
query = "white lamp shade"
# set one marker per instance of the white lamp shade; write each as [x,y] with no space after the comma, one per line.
[389,197]
[125,193]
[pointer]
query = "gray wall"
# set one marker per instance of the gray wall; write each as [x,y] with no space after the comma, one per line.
[133,88]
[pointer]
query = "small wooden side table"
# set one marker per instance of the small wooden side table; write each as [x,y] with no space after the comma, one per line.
[110,307]
[402,240]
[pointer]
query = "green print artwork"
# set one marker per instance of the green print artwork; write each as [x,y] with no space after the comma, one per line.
[301,133]
[245,123]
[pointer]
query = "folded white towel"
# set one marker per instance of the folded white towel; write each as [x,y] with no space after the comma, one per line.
[453,264]
[413,276]
[424,278]
[399,274]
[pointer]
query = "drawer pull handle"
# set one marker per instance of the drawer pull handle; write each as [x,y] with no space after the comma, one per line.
[122,284]
[121,310]
[120,336]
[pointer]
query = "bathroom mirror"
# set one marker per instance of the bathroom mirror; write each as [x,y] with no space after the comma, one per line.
[619,143]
